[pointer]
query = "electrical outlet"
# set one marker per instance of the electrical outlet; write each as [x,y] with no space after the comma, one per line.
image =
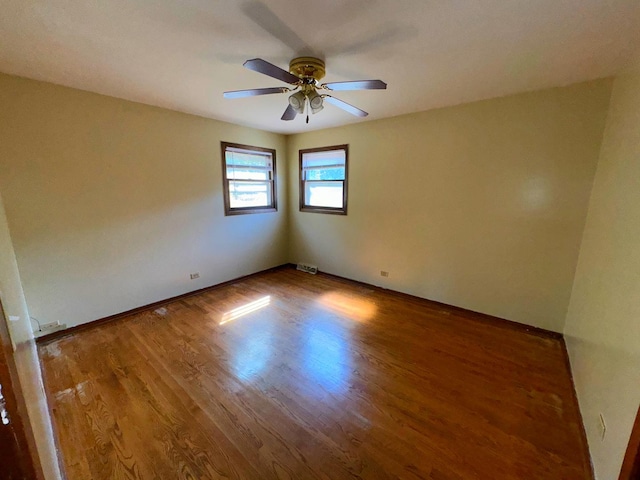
[383,273]
[603,427]
[195,275]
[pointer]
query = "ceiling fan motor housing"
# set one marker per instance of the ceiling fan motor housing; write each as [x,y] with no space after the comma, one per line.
[307,68]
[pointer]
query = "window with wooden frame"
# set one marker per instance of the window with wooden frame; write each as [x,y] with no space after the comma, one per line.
[323,179]
[249,179]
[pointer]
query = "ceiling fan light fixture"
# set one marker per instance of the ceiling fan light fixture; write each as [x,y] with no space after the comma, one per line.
[297,101]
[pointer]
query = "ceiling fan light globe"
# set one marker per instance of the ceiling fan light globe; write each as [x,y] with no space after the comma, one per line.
[315,101]
[297,102]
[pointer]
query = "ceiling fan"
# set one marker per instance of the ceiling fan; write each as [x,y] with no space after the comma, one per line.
[304,74]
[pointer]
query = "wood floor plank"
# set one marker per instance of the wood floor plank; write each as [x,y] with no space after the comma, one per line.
[289,375]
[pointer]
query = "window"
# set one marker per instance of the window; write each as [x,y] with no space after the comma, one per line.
[323,179]
[249,179]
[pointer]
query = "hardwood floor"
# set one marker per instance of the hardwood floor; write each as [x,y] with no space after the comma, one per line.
[294,376]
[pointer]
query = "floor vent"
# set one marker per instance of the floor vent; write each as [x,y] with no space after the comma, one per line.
[305,267]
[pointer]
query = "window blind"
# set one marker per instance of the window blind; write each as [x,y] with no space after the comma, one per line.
[332,158]
[328,165]
[245,165]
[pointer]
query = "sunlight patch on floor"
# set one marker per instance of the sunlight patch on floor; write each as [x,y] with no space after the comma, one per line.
[349,306]
[245,309]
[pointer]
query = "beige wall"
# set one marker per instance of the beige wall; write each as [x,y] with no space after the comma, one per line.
[15,309]
[112,204]
[603,322]
[480,205]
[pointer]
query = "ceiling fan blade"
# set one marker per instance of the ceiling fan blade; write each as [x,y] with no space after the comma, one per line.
[357,85]
[289,114]
[254,92]
[266,68]
[345,106]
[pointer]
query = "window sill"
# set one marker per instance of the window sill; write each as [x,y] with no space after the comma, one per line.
[331,211]
[247,211]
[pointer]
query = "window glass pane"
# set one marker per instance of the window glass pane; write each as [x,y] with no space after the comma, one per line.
[249,194]
[323,194]
[325,173]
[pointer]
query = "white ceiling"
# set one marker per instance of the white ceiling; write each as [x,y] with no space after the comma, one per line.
[182,54]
